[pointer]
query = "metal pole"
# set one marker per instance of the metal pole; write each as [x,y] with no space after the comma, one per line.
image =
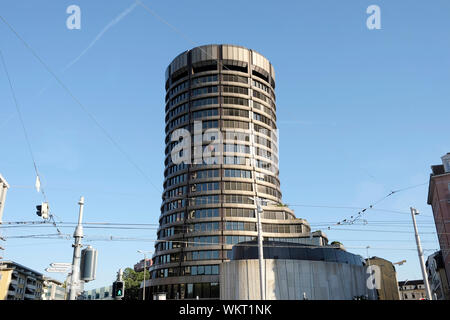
[78,234]
[420,252]
[259,211]
[145,265]
[3,189]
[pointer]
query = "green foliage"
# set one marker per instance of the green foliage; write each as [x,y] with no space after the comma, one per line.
[133,281]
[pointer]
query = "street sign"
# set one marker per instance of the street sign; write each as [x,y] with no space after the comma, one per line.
[60,265]
[60,270]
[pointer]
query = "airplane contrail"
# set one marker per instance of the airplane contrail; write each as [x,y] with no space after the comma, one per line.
[104,30]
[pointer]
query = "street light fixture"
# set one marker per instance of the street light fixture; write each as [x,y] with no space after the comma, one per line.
[400,262]
[145,269]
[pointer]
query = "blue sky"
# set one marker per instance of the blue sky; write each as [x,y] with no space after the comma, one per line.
[360,112]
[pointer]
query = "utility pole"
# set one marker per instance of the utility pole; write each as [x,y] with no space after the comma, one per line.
[78,234]
[3,189]
[145,269]
[420,252]
[4,186]
[145,266]
[258,212]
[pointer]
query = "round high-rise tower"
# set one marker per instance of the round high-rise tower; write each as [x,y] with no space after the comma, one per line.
[223,96]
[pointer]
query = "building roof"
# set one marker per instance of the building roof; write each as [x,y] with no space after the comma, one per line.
[437,257]
[3,180]
[15,265]
[294,251]
[437,171]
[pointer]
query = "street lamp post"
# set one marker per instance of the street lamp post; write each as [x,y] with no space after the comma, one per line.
[75,281]
[414,212]
[145,269]
[3,189]
[259,212]
[260,250]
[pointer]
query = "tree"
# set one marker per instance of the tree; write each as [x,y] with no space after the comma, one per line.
[133,282]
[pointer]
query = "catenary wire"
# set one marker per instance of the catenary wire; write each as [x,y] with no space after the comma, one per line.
[78,102]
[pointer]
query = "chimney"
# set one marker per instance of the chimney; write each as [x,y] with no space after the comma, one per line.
[446,162]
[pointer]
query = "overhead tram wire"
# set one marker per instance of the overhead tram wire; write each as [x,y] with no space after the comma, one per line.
[218,61]
[104,130]
[187,229]
[183,35]
[19,113]
[19,224]
[195,243]
[16,104]
[360,213]
[30,149]
[78,102]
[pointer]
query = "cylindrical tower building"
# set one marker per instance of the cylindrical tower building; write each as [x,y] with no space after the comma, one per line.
[223,96]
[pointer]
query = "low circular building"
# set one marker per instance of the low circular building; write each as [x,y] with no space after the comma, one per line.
[294,272]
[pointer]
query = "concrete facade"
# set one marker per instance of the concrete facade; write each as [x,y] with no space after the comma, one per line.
[439,199]
[293,280]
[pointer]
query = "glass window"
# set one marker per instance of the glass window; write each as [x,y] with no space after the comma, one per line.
[197,290]
[190,290]
[200,270]
[215,268]
[206,290]
[207,270]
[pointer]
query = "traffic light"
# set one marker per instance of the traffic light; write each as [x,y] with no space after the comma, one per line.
[118,289]
[42,210]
